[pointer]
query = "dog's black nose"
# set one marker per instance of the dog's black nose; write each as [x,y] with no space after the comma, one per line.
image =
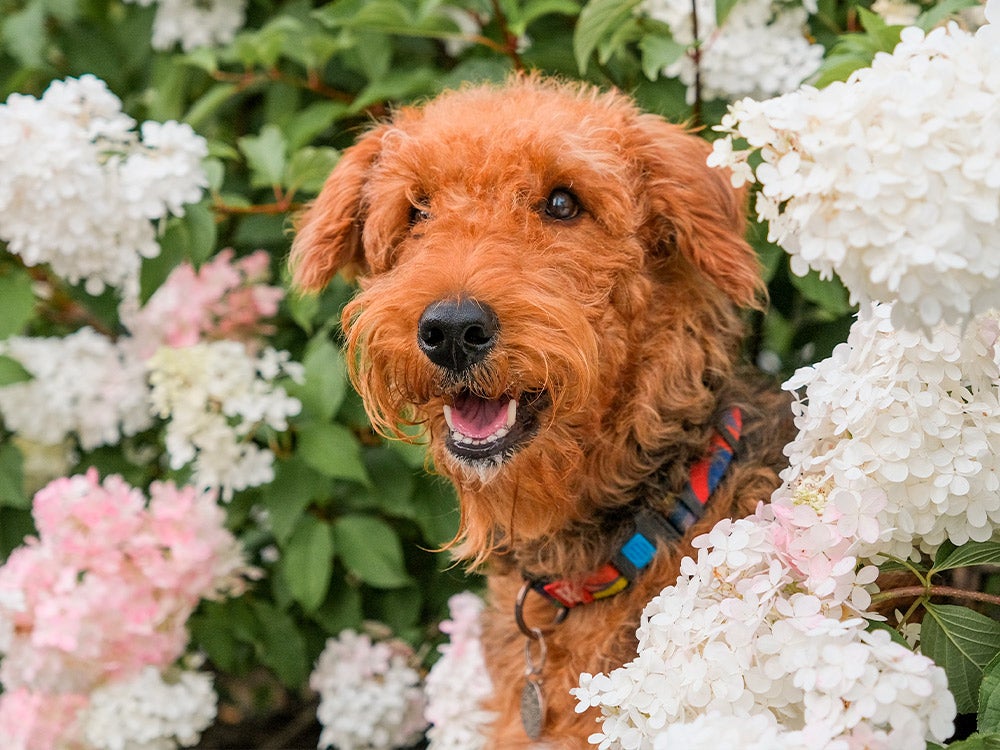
[457,334]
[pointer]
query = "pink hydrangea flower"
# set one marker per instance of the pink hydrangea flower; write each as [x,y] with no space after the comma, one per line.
[224,299]
[108,584]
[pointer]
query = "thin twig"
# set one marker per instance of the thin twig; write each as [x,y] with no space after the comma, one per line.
[510,41]
[909,591]
[696,57]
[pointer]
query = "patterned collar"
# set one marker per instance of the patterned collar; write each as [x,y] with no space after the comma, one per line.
[648,526]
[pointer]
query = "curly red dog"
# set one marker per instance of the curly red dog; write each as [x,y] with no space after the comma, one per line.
[550,285]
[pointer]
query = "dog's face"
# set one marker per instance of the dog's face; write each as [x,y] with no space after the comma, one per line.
[516,249]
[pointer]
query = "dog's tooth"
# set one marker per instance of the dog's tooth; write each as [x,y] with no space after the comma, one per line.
[447,417]
[511,413]
[501,433]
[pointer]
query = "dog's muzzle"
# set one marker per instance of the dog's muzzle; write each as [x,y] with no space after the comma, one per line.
[457,335]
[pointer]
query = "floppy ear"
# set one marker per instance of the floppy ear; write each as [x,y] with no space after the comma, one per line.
[328,232]
[694,208]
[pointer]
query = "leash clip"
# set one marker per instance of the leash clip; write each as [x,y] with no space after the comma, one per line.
[530,632]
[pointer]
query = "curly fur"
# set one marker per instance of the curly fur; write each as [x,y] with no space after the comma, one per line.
[625,317]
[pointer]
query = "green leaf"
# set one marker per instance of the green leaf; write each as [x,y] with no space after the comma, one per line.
[970,553]
[401,85]
[333,451]
[962,642]
[17,302]
[175,247]
[598,20]
[370,549]
[657,53]
[23,34]
[829,294]
[265,155]
[325,384]
[978,742]
[280,645]
[311,121]
[12,371]
[989,698]
[941,11]
[438,513]
[722,10]
[307,562]
[12,494]
[393,482]
[200,222]
[308,169]
[303,309]
[294,488]
[209,103]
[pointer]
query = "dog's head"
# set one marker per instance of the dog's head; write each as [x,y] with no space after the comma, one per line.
[547,274]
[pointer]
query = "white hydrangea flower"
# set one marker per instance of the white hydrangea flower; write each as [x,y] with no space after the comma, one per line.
[911,418]
[370,698]
[214,395]
[151,711]
[195,23]
[741,634]
[760,50]
[81,190]
[891,179]
[84,385]
[458,683]
[714,731]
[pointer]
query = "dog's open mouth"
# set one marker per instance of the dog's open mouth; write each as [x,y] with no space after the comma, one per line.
[483,429]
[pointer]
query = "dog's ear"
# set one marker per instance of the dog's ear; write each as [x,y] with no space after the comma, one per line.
[695,209]
[328,232]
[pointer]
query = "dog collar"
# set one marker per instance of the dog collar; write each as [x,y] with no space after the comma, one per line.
[650,527]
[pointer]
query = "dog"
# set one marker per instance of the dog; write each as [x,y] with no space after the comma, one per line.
[551,285]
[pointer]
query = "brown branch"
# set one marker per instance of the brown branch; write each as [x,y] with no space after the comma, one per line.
[262,209]
[907,592]
[510,41]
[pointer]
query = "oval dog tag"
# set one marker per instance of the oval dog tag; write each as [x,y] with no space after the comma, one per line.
[532,709]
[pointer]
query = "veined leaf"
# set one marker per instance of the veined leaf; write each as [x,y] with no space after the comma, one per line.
[970,553]
[598,20]
[307,563]
[265,154]
[962,642]
[989,698]
[370,549]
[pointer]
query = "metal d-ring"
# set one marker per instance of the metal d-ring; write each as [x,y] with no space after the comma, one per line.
[534,634]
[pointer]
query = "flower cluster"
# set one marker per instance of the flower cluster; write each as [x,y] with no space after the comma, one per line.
[759,50]
[891,179]
[224,299]
[741,635]
[83,385]
[101,595]
[195,23]
[370,697]
[458,683]
[81,189]
[911,418]
[215,394]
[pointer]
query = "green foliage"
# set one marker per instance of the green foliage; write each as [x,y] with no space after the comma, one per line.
[963,642]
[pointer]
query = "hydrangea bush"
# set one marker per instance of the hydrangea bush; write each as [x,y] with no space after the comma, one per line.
[202,541]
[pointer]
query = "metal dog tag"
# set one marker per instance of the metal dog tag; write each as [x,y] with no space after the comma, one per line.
[532,709]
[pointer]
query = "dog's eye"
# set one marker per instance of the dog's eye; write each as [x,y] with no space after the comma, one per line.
[562,205]
[419,213]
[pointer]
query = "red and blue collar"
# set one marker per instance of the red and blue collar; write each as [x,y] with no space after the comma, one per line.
[650,527]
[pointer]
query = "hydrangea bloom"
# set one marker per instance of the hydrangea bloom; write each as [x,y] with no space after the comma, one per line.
[370,698]
[760,50]
[95,606]
[224,299]
[150,711]
[84,385]
[81,190]
[911,418]
[215,395]
[890,179]
[195,23]
[108,584]
[741,634]
[458,683]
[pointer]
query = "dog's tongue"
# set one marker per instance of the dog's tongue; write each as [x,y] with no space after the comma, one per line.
[479,418]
